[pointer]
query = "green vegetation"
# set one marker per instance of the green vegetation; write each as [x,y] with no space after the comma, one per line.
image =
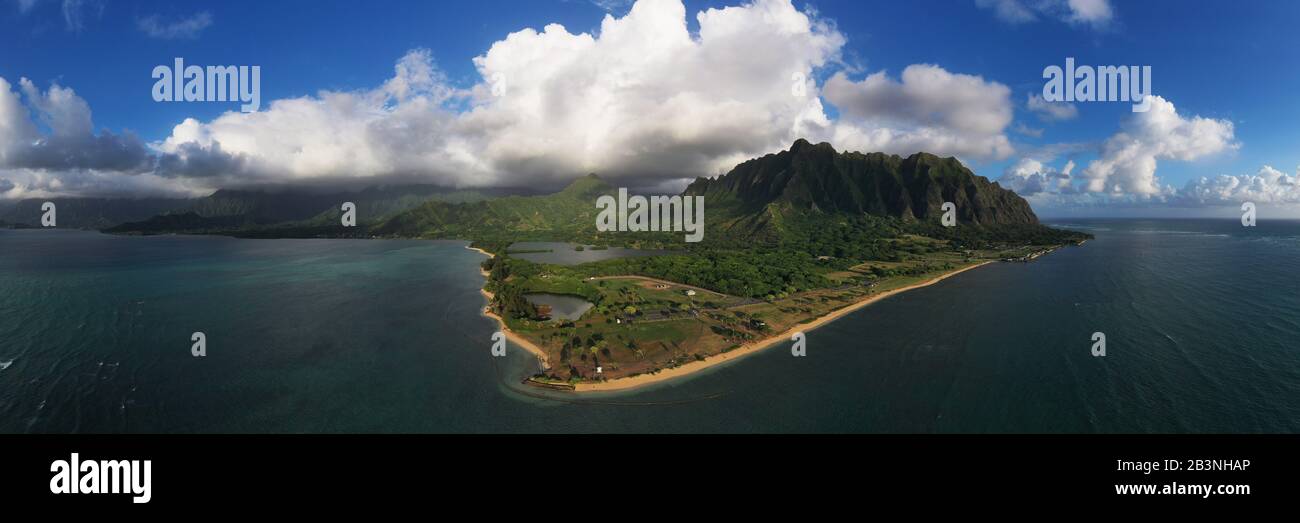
[789,238]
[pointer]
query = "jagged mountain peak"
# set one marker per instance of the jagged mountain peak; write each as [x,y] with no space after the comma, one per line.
[817,178]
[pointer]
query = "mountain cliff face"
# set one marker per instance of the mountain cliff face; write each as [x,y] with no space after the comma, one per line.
[816,178]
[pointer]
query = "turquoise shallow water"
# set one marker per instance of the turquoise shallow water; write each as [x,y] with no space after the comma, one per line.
[1202,320]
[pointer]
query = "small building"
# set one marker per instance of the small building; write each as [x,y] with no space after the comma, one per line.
[690,292]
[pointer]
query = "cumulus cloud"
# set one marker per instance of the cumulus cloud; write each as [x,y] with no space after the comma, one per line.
[1051,111]
[71,142]
[928,109]
[1094,13]
[1029,176]
[66,156]
[16,127]
[1269,185]
[180,28]
[1128,159]
[642,99]
[1125,168]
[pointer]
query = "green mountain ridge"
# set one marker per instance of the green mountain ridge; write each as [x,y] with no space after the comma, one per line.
[757,200]
[271,213]
[817,179]
[778,199]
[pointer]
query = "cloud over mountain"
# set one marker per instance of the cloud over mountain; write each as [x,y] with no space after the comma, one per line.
[927,109]
[643,99]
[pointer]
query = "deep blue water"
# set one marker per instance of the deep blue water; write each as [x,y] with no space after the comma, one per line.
[1202,320]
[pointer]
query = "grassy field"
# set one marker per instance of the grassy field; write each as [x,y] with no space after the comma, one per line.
[640,325]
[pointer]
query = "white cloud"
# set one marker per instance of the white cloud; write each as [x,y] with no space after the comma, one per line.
[1124,172]
[181,28]
[15,125]
[1269,185]
[643,98]
[1029,176]
[1128,159]
[1051,111]
[1095,13]
[70,158]
[929,109]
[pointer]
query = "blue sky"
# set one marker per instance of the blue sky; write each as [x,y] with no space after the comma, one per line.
[1226,69]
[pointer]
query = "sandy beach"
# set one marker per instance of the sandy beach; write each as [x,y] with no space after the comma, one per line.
[510,335]
[717,359]
[753,347]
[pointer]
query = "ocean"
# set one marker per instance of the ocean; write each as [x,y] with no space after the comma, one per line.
[1201,320]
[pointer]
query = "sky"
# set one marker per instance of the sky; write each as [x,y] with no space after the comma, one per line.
[653,93]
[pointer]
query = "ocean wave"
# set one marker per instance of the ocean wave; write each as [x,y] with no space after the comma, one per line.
[5,364]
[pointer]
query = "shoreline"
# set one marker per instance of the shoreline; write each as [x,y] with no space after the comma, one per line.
[687,369]
[510,335]
[632,382]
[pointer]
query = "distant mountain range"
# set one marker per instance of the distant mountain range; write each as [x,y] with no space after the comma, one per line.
[758,199]
[89,213]
[263,212]
[234,208]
